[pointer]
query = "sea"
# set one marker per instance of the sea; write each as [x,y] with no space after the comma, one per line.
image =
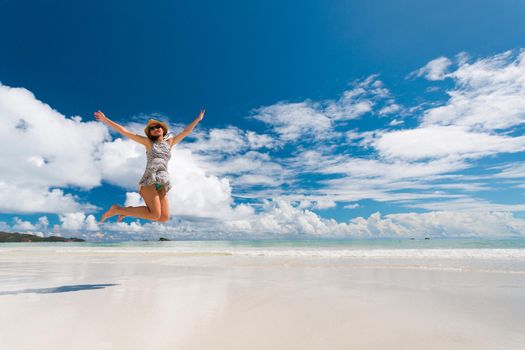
[473,254]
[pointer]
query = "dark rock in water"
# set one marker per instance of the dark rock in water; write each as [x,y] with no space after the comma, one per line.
[427,237]
[163,239]
[412,238]
[26,237]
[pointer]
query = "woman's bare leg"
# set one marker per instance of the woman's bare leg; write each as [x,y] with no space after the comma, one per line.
[164,211]
[109,213]
[150,212]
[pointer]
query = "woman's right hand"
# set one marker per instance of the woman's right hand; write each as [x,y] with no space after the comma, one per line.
[100,116]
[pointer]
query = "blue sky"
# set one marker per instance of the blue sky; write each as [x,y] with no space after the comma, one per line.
[318,115]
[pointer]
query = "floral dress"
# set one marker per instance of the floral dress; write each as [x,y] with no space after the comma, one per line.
[157,166]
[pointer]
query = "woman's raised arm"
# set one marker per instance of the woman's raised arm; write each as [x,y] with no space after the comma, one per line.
[187,130]
[119,128]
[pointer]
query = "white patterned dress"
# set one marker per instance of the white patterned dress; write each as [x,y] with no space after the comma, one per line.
[157,166]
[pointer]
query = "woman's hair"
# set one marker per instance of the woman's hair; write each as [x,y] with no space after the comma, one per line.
[153,138]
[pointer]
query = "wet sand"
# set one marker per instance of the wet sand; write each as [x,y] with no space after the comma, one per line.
[164,301]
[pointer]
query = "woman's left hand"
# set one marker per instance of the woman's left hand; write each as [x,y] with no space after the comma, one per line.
[201,115]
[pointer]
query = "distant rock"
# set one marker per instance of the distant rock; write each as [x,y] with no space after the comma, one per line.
[26,237]
[163,239]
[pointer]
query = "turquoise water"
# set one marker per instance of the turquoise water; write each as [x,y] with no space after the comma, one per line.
[464,254]
[381,243]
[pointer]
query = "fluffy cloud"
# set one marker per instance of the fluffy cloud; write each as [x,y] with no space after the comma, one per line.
[22,225]
[78,222]
[51,151]
[487,99]
[315,119]
[480,119]
[280,217]
[434,70]
[488,94]
[442,141]
[231,140]
[294,120]
[15,198]
[440,224]
[54,151]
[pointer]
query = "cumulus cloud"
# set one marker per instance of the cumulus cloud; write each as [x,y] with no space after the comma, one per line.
[42,223]
[78,222]
[440,224]
[51,151]
[16,198]
[279,217]
[55,152]
[21,225]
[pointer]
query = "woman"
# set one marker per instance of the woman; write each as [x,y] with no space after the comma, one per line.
[155,182]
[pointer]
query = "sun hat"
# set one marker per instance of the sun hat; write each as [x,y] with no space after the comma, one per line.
[153,121]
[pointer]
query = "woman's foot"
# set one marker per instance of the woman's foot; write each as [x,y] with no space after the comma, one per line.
[109,213]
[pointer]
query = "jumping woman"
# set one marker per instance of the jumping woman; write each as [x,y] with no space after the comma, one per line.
[155,183]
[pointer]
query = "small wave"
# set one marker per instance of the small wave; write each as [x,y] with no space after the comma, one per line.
[451,253]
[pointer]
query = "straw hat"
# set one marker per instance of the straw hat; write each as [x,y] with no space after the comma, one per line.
[153,121]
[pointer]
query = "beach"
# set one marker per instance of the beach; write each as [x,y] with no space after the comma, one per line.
[172,295]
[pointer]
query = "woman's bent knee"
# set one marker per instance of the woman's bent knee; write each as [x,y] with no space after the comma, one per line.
[164,218]
[155,215]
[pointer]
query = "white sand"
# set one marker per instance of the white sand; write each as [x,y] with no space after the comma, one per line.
[161,301]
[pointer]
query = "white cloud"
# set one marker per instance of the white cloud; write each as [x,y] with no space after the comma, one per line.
[35,199]
[351,206]
[514,170]
[294,120]
[194,192]
[486,100]
[122,162]
[488,94]
[22,225]
[280,217]
[61,151]
[42,223]
[78,222]
[54,151]
[51,151]
[309,120]
[434,70]
[467,205]
[389,109]
[324,204]
[395,122]
[443,141]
